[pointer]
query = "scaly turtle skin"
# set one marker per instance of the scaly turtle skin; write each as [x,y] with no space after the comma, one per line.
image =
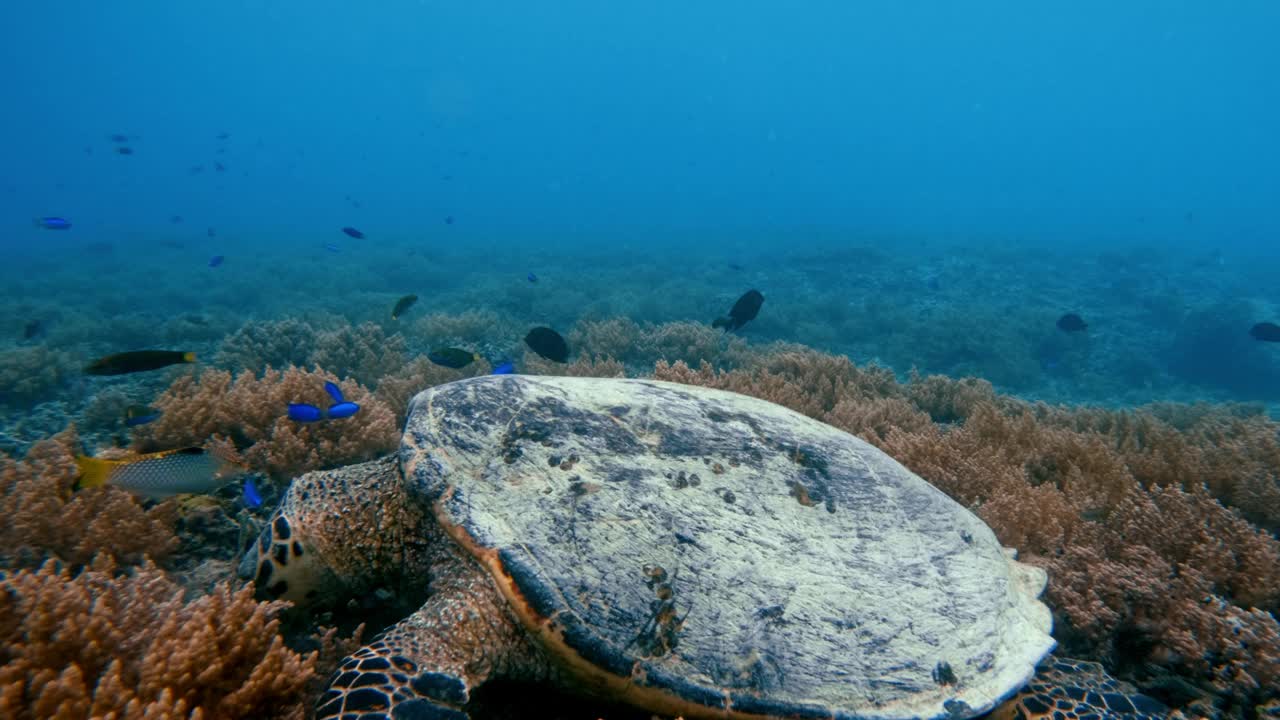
[690,551]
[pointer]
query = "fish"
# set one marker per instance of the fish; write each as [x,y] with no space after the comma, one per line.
[352,232]
[223,136]
[548,343]
[136,415]
[332,248]
[216,260]
[124,150]
[742,312]
[160,474]
[532,278]
[448,219]
[219,167]
[337,411]
[249,492]
[137,361]
[334,391]
[505,367]
[452,357]
[32,329]
[195,169]
[52,223]
[304,413]
[401,305]
[1071,322]
[118,138]
[1266,332]
[211,232]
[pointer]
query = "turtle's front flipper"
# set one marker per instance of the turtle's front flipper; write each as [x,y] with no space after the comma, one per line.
[426,666]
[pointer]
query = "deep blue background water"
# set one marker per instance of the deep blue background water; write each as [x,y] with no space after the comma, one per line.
[1048,121]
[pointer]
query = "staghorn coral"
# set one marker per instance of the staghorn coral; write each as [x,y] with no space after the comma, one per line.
[1148,567]
[44,517]
[251,412]
[102,644]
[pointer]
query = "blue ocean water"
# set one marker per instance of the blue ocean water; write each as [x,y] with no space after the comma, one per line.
[919,185]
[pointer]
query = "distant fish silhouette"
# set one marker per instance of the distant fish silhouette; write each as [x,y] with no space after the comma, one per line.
[1071,322]
[742,312]
[1266,332]
[352,232]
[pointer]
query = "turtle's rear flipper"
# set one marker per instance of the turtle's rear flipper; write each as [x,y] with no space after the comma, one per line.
[425,666]
[1063,687]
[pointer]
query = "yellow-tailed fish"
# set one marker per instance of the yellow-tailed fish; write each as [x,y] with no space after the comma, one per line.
[160,474]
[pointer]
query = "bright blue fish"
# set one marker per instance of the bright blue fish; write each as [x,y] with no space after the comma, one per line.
[533,278]
[343,410]
[252,497]
[304,413]
[216,260]
[334,391]
[504,368]
[332,248]
[53,223]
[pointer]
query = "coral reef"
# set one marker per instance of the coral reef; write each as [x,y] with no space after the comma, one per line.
[251,412]
[260,344]
[639,347]
[364,352]
[104,644]
[31,374]
[44,517]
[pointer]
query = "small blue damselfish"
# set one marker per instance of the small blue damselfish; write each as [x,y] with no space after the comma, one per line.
[249,491]
[504,368]
[302,412]
[334,391]
[53,223]
[343,410]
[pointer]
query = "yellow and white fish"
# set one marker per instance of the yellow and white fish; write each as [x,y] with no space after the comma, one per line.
[161,474]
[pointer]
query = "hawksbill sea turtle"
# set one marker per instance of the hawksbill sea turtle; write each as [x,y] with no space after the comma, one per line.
[688,551]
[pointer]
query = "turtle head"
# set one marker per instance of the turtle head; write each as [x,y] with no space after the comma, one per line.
[338,535]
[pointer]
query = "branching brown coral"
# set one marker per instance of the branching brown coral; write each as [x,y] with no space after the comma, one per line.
[43,516]
[364,352]
[101,644]
[251,412]
[260,344]
[583,366]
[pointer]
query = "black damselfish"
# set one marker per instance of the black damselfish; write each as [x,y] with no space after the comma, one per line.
[1071,322]
[548,343]
[742,312]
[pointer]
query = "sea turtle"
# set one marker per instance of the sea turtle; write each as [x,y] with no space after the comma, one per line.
[689,551]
